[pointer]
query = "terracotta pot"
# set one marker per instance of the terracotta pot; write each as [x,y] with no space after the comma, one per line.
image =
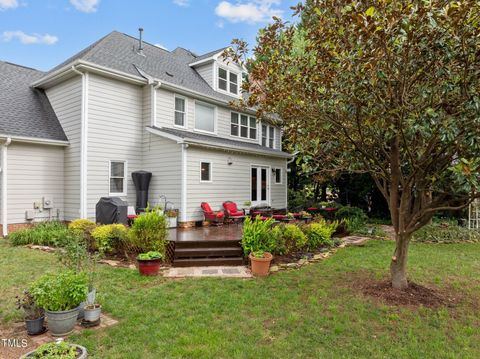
[261,266]
[149,266]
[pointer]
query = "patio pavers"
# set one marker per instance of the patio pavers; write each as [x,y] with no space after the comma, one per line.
[220,271]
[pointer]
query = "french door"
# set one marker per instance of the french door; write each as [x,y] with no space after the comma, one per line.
[260,185]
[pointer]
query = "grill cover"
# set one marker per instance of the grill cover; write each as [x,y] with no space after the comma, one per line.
[141,180]
[111,210]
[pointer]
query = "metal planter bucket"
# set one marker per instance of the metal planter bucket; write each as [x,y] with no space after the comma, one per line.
[62,323]
[90,300]
[93,314]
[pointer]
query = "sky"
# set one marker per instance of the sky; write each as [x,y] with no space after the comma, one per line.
[43,33]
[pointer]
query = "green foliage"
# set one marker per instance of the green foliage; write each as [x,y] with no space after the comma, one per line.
[81,225]
[60,292]
[319,234]
[257,235]
[110,238]
[149,256]
[149,232]
[288,238]
[49,233]
[54,350]
[351,212]
[446,233]
[354,224]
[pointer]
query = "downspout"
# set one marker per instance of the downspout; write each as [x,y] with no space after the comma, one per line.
[83,143]
[183,205]
[153,100]
[4,186]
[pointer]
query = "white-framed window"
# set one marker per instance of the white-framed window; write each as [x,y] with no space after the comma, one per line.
[243,126]
[204,117]
[205,171]
[228,80]
[268,136]
[118,178]
[180,111]
[278,175]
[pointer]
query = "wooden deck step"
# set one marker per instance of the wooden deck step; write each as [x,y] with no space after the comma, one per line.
[203,262]
[208,252]
[208,244]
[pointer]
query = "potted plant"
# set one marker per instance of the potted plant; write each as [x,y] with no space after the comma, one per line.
[60,295]
[58,350]
[149,263]
[172,215]
[247,205]
[34,316]
[257,242]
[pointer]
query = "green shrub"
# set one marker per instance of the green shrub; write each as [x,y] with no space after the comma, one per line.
[351,212]
[288,238]
[354,224]
[446,233]
[48,233]
[82,225]
[110,238]
[257,235]
[319,234]
[56,350]
[59,292]
[149,232]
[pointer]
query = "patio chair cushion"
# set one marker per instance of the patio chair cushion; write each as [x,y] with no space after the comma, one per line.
[232,209]
[279,216]
[206,207]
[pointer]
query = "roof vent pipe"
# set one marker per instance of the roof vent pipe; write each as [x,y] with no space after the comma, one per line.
[140,41]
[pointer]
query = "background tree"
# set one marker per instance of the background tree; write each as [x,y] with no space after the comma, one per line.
[385,87]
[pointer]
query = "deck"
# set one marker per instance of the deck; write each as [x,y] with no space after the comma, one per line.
[206,246]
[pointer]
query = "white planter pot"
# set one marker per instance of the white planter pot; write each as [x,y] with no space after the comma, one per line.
[93,314]
[172,222]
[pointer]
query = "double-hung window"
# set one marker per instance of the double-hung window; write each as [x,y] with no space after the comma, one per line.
[204,117]
[118,186]
[228,81]
[180,111]
[243,126]
[268,136]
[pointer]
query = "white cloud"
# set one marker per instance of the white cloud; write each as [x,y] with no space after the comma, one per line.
[8,4]
[183,3]
[85,5]
[161,46]
[252,11]
[29,39]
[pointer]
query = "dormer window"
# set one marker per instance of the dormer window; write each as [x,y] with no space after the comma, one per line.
[227,81]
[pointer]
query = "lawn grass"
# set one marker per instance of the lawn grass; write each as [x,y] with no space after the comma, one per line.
[308,313]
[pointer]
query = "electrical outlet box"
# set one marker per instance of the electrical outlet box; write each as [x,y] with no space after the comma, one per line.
[29,215]
[47,203]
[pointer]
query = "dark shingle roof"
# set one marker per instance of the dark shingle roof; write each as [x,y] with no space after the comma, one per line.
[207,55]
[24,111]
[118,51]
[214,140]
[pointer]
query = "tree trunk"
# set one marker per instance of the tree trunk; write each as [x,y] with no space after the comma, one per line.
[398,266]
[324,193]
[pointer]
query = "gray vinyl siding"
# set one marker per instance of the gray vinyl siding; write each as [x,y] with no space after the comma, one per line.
[163,158]
[66,100]
[166,110]
[206,71]
[115,117]
[34,172]
[229,182]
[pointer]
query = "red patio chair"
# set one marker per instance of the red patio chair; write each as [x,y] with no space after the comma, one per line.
[211,216]
[232,212]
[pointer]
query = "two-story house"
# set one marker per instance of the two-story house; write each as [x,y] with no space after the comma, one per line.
[74,134]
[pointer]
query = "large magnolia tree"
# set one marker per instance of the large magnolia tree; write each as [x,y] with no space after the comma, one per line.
[385,87]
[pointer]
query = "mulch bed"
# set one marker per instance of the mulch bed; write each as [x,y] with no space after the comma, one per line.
[414,295]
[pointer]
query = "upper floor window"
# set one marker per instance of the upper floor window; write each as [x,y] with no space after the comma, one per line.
[204,117]
[180,112]
[268,136]
[227,81]
[243,126]
[118,177]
